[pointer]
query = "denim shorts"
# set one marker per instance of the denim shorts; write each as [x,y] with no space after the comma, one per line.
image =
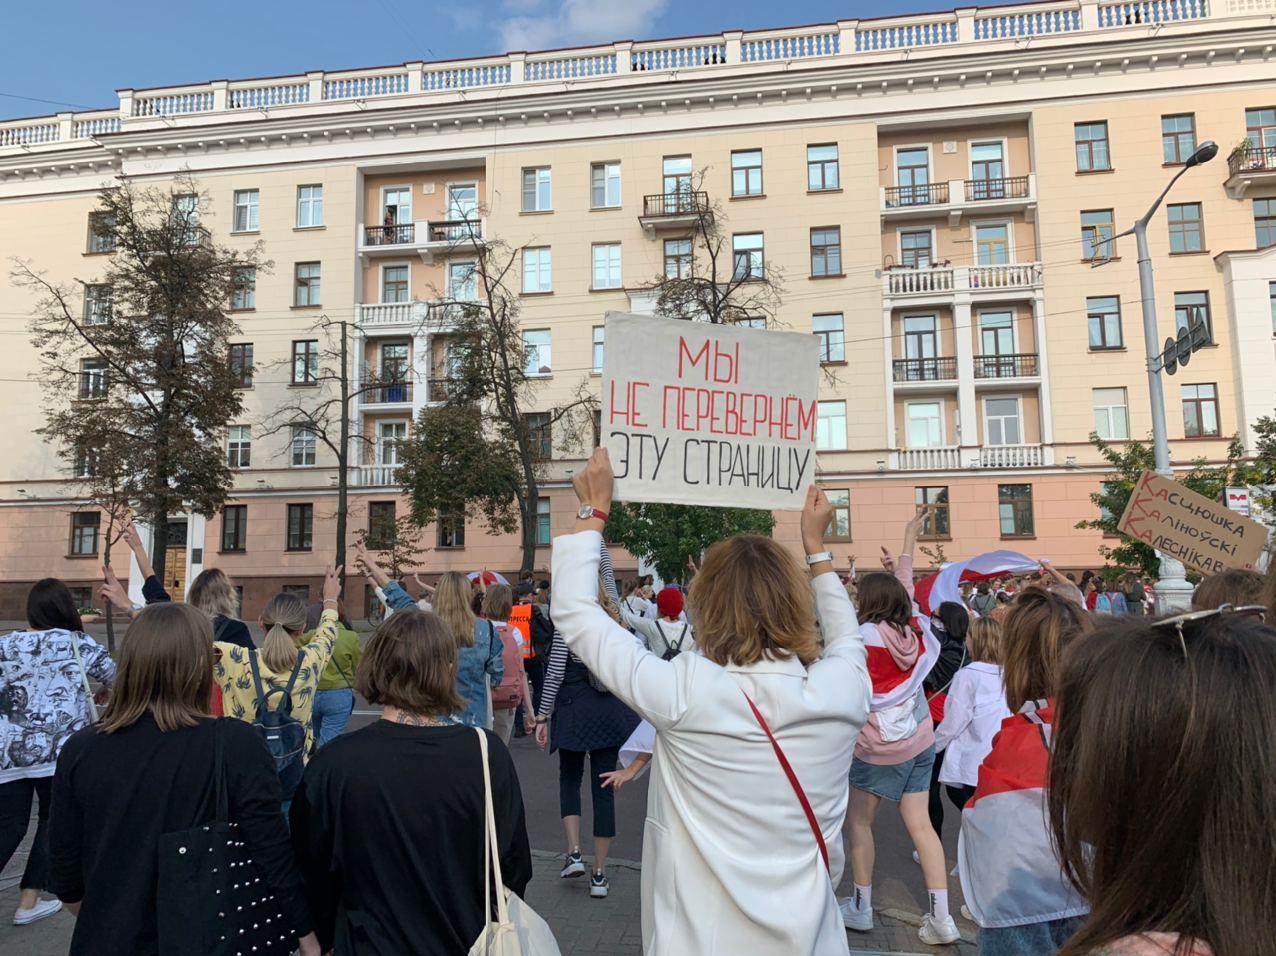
[893,781]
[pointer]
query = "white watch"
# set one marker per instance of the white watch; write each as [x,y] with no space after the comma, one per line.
[819,556]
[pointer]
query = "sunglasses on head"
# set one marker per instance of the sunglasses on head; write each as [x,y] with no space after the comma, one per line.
[1192,618]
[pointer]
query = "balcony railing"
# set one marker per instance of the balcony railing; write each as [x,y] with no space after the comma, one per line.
[940,458]
[1256,159]
[981,190]
[680,203]
[925,369]
[927,194]
[442,389]
[387,393]
[455,230]
[1011,456]
[402,234]
[1023,365]
[941,280]
[376,476]
[408,316]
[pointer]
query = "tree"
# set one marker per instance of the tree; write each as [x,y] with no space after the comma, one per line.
[1128,462]
[668,535]
[398,541]
[138,362]
[491,375]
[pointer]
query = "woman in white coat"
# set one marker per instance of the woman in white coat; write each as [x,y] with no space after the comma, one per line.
[733,863]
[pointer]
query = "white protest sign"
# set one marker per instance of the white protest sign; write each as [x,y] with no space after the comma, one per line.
[703,414]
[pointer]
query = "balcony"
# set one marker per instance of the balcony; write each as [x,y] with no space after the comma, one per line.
[1255,166]
[950,457]
[416,317]
[939,458]
[376,476]
[429,239]
[1006,366]
[925,370]
[940,283]
[384,394]
[679,210]
[1011,456]
[958,196]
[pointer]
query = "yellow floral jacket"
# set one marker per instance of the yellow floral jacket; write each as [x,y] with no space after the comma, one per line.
[235,676]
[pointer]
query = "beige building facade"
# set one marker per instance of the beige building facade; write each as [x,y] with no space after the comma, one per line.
[931,191]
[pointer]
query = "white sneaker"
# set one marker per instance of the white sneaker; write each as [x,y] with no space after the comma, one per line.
[42,909]
[573,865]
[598,885]
[852,918]
[938,932]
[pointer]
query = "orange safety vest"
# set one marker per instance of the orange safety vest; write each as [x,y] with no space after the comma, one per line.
[521,620]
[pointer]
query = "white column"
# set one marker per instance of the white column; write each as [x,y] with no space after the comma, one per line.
[624,52]
[1043,369]
[314,80]
[1090,14]
[518,67]
[416,76]
[732,39]
[966,25]
[221,95]
[422,346]
[66,127]
[846,36]
[196,533]
[888,340]
[126,103]
[967,404]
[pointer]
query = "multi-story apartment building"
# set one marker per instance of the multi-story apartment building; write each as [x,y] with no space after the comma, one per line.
[934,189]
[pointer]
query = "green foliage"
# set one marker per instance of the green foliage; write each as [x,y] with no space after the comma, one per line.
[398,544]
[667,535]
[1129,460]
[451,464]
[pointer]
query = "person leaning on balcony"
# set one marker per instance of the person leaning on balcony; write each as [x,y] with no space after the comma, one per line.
[718,791]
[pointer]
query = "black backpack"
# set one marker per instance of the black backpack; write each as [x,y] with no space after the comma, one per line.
[285,736]
[672,650]
[542,629]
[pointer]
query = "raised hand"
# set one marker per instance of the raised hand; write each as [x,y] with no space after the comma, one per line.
[888,559]
[332,584]
[816,515]
[594,484]
[112,591]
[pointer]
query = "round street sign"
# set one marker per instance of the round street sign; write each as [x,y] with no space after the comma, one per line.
[1169,357]
[1184,345]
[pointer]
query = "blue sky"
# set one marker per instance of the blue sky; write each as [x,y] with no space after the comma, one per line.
[80,51]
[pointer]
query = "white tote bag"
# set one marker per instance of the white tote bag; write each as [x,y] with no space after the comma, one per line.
[517,931]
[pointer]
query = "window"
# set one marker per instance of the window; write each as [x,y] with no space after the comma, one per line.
[1097,230]
[1014,507]
[542,522]
[93,378]
[1001,421]
[97,304]
[987,171]
[235,528]
[185,216]
[676,176]
[840,527]
[101,232]
[1092,147]
[303,446]
[1271,295]
[243,294]
[537,270]
[1200,411]
[462,202]
[826,251]
[677,258]
[462,281]
[394,283]
[921,337]
[381,525]
[1103,314]
[1186,232]
[309,207]
[1188,306]
[933,500]
[996,334]
[604,185]
[306,285]
[536,190]
[301,528]
[82,597]
[539,435]
[450,530]
[607,266]
[389,435]
[1178,137]
[830,425]
[301,591]
[85,463]
[915,249]
[831,333]
[746,172]
[747,248]
[599,340]
[398,212]
[536,351]
[1260,127]
[247,216]
[239,446]
[912,175]
[821,167]
[241,364]
[1265,222]
[305,362]
[1111,414]
[924,424]
[992,243]
[84,532]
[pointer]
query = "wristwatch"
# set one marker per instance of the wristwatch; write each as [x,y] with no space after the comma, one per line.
[818,557]
[589,511]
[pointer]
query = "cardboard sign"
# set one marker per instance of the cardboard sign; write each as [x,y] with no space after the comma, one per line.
[1201,533]
[702,414]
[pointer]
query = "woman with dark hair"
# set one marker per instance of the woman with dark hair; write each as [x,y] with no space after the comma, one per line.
[388,822]
[44,699]
[949,623]
[147,769]
[1184,867]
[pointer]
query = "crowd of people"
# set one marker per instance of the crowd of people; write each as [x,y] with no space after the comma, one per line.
[1114,772]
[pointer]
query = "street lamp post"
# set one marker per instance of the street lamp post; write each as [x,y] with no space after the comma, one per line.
[1172,591]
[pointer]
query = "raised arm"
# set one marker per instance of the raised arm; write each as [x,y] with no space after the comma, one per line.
[395,596]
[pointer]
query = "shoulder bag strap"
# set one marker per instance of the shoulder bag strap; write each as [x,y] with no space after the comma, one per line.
[84,675]
[262,705]
[683,635]
[491,850]
[292,678]
[793,781]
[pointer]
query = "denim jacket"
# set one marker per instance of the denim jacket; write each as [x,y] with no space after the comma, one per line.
[474,664]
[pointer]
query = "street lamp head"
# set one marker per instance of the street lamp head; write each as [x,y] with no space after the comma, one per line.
[1204,153]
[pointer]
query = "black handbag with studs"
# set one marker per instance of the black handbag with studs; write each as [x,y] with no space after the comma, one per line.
[212,900]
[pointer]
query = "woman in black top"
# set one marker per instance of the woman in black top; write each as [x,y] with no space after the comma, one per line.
[145,770]
[388,821]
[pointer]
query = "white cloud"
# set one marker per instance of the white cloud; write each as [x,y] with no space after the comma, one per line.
[578,22]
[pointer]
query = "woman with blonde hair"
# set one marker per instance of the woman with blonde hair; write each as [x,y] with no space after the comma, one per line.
[213,592]
[479,664]
[281,675]
[754,735]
